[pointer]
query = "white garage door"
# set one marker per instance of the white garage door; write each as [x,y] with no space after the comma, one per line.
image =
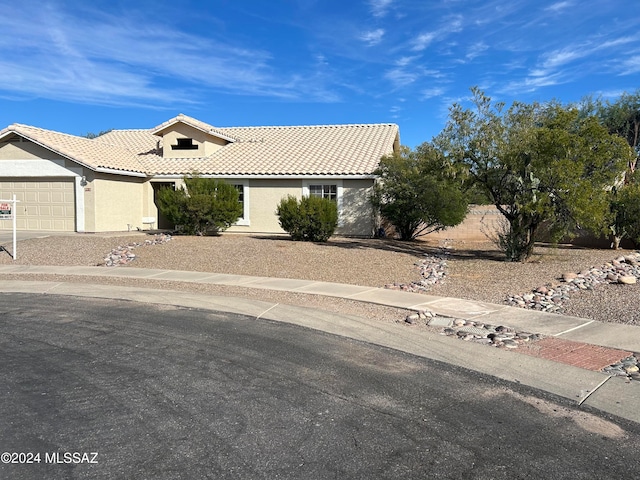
[45,204]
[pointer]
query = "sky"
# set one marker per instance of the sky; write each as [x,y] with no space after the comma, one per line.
[79,66]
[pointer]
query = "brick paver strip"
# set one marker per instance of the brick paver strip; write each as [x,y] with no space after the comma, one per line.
[583,355]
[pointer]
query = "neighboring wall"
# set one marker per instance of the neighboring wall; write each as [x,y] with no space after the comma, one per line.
[484,221]
[480,221]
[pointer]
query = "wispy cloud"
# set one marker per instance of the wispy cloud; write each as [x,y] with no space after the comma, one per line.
[558,58]
[452,24]
[380,8]
[407,72]
[404,61]
[536,79]
[401,77]
[591,54]
[432,92]
[128,61]
[556,7]
[630,65]
[372,37]
[422,41]
[476,50]
[617,42]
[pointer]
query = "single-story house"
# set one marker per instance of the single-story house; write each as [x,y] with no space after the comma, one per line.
[109,183]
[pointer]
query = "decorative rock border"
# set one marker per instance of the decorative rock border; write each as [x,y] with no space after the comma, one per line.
[472,331]
[507,338]
[623,270]
[124,254]
[433,270]
[495,336]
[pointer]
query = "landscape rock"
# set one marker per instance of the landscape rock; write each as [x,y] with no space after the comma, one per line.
[547,298]
[629,367]
[433,270]
[623,270]
[412,318]
[627,279]
[124,254]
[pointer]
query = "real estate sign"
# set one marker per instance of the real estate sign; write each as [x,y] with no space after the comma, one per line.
[6,211]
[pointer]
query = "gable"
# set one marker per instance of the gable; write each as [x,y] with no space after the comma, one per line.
[18,148]
[96,156]
[185,141]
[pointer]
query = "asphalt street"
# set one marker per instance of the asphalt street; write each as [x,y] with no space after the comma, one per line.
[116,389]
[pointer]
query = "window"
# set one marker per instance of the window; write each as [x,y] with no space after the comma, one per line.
[324,191]
[240,189]
[184,144]
[243,198]
[331,188]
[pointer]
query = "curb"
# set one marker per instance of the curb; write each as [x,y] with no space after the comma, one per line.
[608,393]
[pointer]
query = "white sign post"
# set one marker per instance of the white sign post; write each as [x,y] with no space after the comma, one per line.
[8,212]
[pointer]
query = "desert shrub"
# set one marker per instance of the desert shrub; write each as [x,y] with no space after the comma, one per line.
[311,219]
[205,206]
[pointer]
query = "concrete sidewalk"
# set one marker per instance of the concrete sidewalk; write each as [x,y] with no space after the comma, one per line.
[614,395]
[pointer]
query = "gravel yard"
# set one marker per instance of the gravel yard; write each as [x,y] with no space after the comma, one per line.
[475,270]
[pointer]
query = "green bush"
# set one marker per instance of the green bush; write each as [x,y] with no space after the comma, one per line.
[205,206]
[312,219]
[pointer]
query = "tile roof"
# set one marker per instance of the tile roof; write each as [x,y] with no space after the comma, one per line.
[305,150]
[320,150]
[94,155]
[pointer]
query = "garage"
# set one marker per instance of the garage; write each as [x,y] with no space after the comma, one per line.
[44,204]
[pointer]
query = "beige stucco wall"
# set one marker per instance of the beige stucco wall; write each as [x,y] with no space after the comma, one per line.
[88,191]
[207,144]
[26,151]
[357,217]
[118,203]
[264,197]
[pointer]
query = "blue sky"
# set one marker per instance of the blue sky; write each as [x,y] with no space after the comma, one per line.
[81,66]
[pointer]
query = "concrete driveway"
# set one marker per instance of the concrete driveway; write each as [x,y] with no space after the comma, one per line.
[6,236]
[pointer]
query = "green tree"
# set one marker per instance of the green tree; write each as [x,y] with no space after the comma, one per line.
[417,192]
[203,206]
[540,164]
[622,118]
[311,218]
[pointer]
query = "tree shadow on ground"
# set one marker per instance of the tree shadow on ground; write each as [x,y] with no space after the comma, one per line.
[420,248]
[488,251]
[415,248]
